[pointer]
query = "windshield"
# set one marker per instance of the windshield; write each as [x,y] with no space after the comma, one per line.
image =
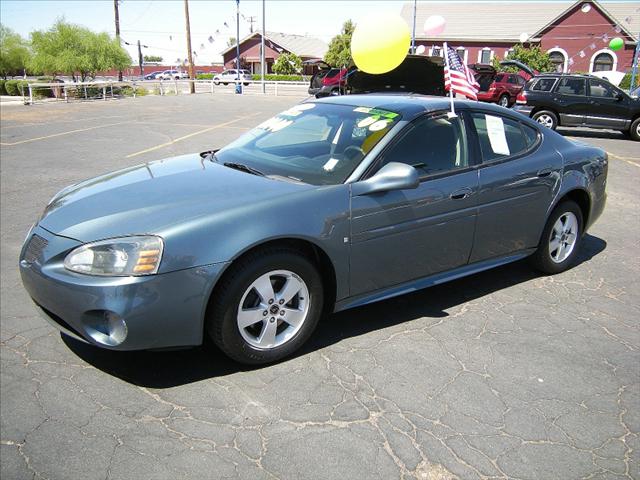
[315,143]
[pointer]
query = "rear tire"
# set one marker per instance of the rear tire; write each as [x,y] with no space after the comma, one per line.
[503,101]
[634,131]
[262,282]
[546,118]
[560,239]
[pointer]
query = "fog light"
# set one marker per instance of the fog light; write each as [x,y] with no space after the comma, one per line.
[106,327]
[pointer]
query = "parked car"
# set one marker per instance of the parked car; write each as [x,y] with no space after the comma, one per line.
[174,75]
[330,205]
[500,87]
[231,76]
[572,100]
[327,80]
[153,75]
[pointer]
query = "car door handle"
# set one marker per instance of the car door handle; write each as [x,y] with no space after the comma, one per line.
[545,172]
[460,194]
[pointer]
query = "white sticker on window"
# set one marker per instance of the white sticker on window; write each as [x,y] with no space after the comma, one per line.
[379,125]
[497,137]
[365,122]
[330,165]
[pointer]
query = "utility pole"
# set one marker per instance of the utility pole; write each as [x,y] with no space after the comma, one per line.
[252,20]
[117,13]
[262,64]
[634,71]
[413,34]
[192,85]
[140,60]
[238,84]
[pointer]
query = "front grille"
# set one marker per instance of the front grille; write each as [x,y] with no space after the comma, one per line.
[34,248]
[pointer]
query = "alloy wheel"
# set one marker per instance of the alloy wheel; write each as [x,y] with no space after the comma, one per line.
[273,309]
[545,120]
[504,101]
[563,237]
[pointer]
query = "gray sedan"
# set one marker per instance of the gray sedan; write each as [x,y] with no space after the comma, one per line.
[330,205]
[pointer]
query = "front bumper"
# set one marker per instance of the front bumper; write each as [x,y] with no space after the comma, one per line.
[159,311]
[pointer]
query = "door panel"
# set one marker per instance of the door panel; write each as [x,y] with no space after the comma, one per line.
[605,109]
[515,191]
[408,234]
[571,101]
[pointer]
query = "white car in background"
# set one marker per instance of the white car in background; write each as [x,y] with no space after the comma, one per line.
[173,74]
[230,76]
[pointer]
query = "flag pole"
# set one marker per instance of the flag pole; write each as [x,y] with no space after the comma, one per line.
[446,61]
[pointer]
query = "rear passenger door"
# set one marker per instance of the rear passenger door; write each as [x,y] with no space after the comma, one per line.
[518,181]
[570,97]
[608,108]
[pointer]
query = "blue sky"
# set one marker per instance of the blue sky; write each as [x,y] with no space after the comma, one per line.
[160,23]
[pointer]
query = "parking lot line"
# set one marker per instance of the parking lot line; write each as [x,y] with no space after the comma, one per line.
[36,139]
[632,161]
[179,139]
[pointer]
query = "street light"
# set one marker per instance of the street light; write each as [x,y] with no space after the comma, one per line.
[238,84]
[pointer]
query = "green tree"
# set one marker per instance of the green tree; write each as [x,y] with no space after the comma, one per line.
[339,51]
[152,58]
[231,42]
[534,57]
[14,52]
[287,64]
[77,51]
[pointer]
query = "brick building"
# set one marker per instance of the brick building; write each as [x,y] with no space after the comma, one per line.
[576,34]
[307,48]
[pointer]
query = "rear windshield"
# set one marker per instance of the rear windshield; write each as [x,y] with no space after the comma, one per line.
[542,84]
[332,73]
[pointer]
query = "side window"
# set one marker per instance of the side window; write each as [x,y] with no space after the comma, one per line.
[572,86]
[602,89]
[499,78]
[501,137]
[432,145]
[544,85]
[512,79]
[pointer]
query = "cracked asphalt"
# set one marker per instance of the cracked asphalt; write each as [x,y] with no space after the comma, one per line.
[506,374]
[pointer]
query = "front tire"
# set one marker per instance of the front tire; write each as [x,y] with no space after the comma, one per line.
[634,131]
[266,307]
[560,240]
[546,118]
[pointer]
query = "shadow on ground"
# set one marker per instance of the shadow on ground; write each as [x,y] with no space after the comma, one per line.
[172,368]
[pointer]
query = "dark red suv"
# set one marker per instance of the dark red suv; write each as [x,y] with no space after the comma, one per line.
[500,87]
[327,81]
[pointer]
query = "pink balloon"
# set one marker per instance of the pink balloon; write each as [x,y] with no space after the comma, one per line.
[434,25]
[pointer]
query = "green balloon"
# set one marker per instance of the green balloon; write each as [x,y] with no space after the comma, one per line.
[616,44]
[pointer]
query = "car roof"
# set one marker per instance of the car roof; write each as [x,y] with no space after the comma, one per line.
[408,104]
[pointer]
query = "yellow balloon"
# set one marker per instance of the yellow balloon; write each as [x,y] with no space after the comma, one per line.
[380,43]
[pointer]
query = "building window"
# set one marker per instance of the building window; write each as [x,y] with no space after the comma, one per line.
[435,52]
[557,58]
[485,55]
[462,53]
[603,62]
[508,53]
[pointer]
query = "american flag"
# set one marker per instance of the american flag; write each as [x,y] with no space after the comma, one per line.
[457,74]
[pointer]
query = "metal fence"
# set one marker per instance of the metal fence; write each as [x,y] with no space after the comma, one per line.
[106,90]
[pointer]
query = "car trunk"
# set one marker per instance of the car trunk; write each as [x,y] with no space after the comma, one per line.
[485,75]
[416,74]
[323,69]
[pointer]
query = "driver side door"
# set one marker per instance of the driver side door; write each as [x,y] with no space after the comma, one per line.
[401,235]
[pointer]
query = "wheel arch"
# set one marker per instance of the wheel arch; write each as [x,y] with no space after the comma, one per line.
[548,109]
[306,247]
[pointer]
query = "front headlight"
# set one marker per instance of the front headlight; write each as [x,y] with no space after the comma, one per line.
[125,256]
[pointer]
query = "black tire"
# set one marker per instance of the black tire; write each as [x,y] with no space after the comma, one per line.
[543,115]
[225,83]
[504,100]
[541,259]
[216,82]
[245,84]
[634,131]
[221,322]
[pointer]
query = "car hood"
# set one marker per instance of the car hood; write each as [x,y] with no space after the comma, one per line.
[156,196]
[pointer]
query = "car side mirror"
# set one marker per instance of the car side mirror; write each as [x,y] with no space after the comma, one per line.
[393,176]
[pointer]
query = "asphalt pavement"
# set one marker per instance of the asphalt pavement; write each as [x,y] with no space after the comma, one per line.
[505,374]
